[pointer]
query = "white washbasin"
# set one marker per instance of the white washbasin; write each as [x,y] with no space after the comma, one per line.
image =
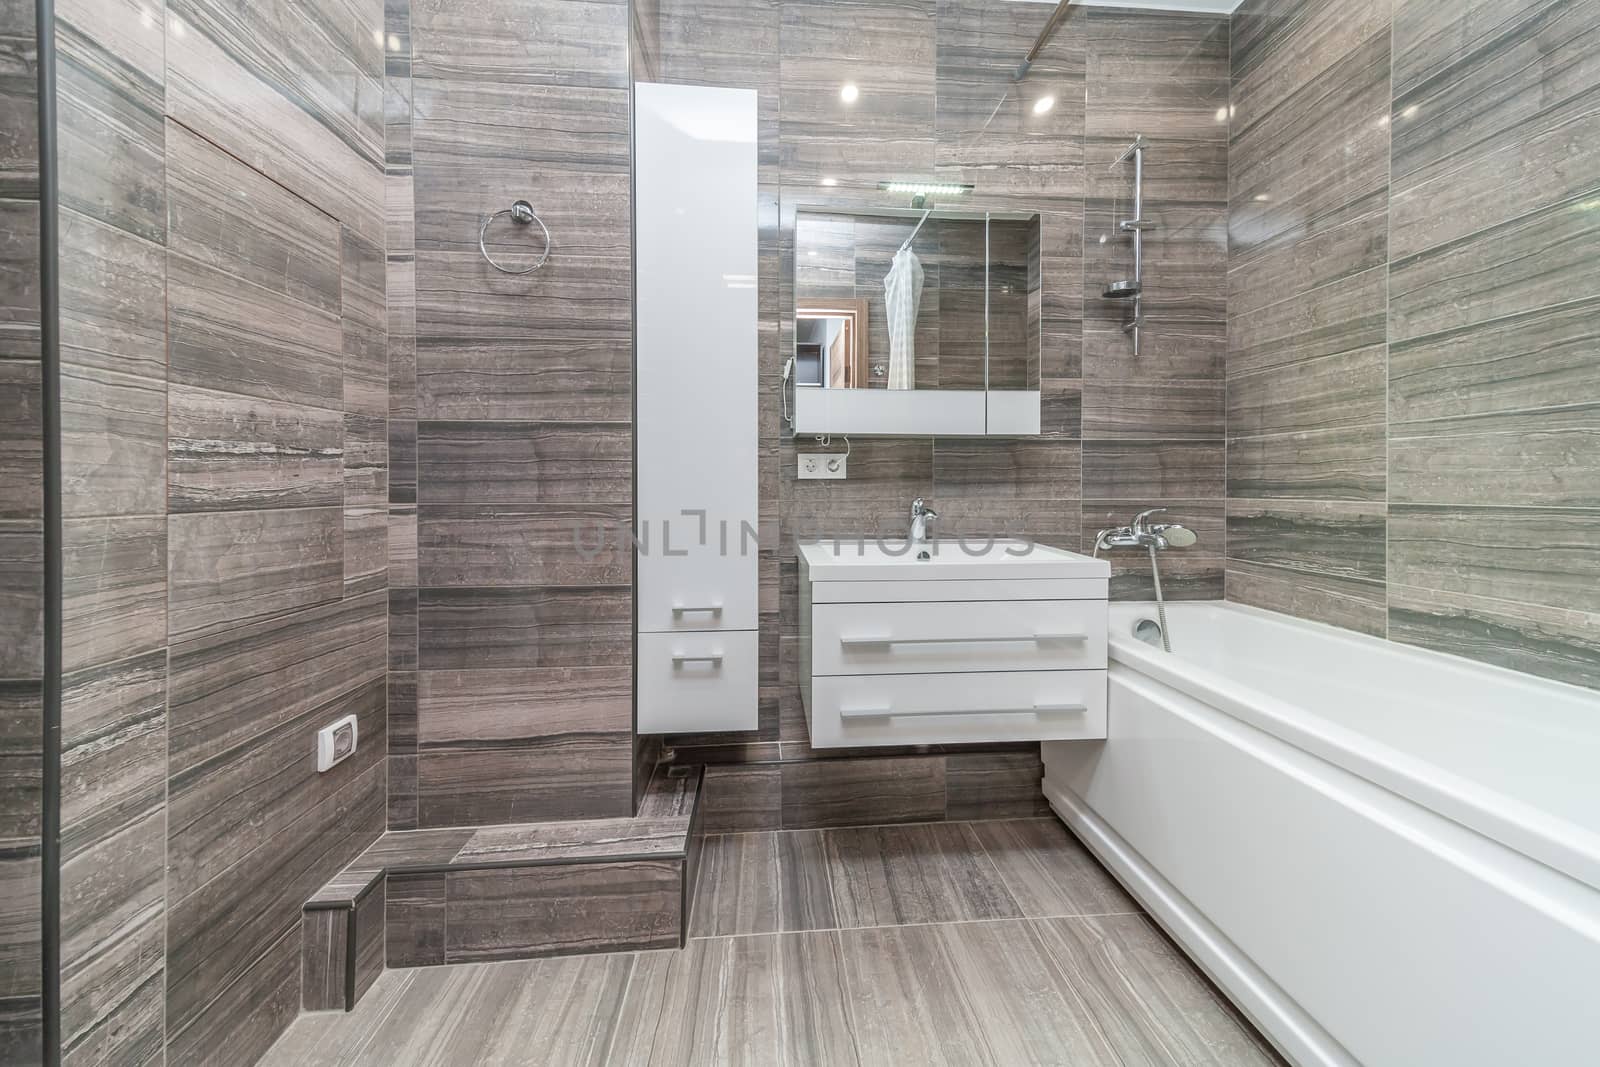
[872,559]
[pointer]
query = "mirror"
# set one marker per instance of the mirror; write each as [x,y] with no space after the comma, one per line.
[830,344]
[906,320]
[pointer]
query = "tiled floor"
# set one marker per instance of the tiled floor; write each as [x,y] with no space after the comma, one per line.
[959,943]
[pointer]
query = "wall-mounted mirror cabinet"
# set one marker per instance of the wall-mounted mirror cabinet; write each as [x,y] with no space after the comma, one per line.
[909,322]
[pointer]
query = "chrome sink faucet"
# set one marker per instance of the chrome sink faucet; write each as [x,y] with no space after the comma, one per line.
[921,532]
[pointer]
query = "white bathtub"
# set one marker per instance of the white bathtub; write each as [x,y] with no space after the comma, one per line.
[1386,856]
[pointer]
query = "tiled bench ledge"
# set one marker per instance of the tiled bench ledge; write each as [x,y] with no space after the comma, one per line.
[416,898]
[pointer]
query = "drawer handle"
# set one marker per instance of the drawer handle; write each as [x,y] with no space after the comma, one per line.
[680,610]
[890,713]
[885,639]
[715,660]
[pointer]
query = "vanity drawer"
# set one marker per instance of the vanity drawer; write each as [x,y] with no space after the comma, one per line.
[930,709]
[1028,635]
[692,682]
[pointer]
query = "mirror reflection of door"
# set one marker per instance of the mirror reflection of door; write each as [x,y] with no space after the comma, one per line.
[830,344]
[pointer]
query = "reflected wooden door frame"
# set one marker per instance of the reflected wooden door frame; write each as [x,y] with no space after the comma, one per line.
[854,312]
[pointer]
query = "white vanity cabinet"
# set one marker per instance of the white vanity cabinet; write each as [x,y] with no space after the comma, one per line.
[695,427]
[999,642]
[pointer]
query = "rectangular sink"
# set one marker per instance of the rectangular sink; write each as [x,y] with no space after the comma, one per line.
[950,559]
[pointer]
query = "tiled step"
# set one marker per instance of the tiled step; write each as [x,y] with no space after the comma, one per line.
[468,894]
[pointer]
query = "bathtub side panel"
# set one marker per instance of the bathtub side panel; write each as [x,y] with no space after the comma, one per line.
[1408,938]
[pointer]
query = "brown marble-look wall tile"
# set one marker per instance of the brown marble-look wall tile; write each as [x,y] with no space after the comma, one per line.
[250,1014]
[21,547]
[1153,424]
[114,412]
[114,603]
[289,125]
[224,936]
[234,567]
[743,796]
[1400,374]
[110,90]
[22,581]
[1486,442]
[21,785]
[1546,641]
[227,688]
[230,217]
[516,912]
[582,44]
[370,938]
[414,919]
[486,351]
[844,792]
[1307,355]
[228,452]
[1337,540]
[251,793]
[526,544]
[497,746]
[324,958]
[523,463]
[993,785]
[222,281]
[888,132]
[113,354]
[469,628]
[478,144]
[113,872]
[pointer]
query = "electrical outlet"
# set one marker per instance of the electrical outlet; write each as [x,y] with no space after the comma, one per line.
[336,743]
[822,465]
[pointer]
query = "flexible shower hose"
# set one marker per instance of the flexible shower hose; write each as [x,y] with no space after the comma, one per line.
[1161,604]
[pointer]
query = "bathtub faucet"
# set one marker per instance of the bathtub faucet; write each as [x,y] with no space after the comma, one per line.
[1143,534]
[1153,537]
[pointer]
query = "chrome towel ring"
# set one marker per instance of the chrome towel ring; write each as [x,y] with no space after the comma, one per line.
[522,214]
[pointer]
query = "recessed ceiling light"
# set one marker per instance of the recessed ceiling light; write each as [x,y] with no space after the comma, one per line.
[830,182]
[1043,104]
[849,93]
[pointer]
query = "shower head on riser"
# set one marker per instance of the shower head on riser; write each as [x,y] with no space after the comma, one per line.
[1122,290]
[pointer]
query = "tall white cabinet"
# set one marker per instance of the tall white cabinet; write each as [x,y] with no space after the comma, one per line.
[695,420]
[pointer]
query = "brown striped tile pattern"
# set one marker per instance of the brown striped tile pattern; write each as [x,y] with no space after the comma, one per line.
[938,100]
[1412,287]
[21,543]
[771,976]
[509,412]
[224,392]
[1309,159]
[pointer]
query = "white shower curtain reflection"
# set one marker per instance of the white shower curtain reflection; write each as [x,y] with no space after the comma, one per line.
[902,293]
